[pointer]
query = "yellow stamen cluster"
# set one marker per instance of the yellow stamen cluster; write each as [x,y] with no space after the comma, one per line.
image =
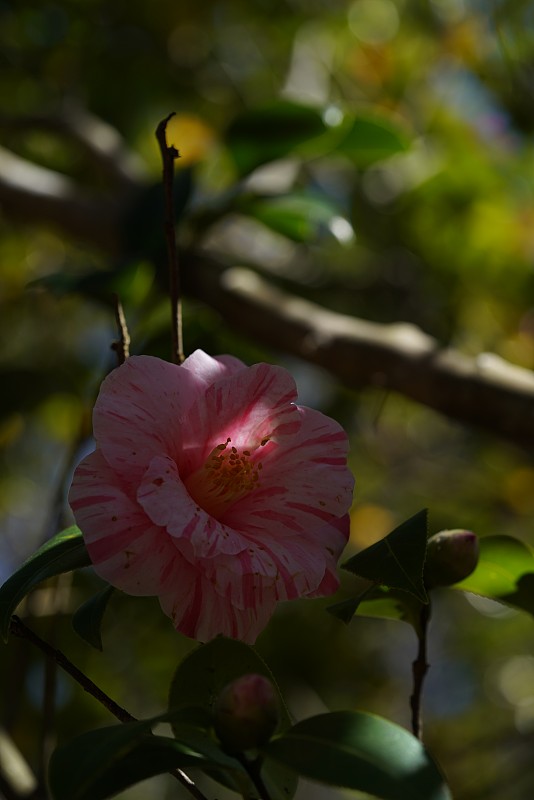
[227,475]
[231,473]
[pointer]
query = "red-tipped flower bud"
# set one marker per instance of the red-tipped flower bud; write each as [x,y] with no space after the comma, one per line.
[246,713]
[450,557]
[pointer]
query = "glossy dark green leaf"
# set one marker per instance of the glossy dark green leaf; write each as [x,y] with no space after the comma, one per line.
[64,552]
[371,138]
[362,752]
[265,134]
[346,609]
[210,667]
[389,603]
[383,602]
[397,560]
[102,762]
[505,572]
[87,620]
[200,678]
[298,217]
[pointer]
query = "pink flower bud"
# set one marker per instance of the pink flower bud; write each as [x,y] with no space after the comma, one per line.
[450,557]
[246,713]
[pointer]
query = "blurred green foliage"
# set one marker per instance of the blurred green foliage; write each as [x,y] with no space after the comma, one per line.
[405,192]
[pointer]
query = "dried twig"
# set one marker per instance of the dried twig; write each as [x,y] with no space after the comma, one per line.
[168,155]
[122,345]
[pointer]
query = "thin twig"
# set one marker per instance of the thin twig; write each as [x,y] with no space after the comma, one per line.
[18,628]
[49,692]
[60,591]
[122,345]
[168,156]
[419,669]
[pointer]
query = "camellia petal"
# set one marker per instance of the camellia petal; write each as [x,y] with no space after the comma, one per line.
[213,490]
[197,610]
[304,482]
[250,408]
[126,548]
[138,412]
[167,503]
[209,369]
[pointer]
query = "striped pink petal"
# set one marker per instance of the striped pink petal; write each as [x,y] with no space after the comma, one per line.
[166,502]
[138,412]
[199,611]
[251,407]
[305,487]
[125,547]
[209,369]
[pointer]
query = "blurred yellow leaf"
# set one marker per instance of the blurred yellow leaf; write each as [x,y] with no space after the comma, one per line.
[191,136]
[368,524]
[519,490]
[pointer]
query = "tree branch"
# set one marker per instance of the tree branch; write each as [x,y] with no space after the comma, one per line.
[100,143]
[486,392]
[34,194]
[17,781]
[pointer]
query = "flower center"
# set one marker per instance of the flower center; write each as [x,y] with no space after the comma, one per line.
[227,475]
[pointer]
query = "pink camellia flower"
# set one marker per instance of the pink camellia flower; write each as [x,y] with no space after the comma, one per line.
[210,488]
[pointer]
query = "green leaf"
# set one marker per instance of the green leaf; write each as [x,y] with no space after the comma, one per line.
[265,134]
[372,138]
[397,560]
[64,552]
[200,678]
[345,610]
[100,763]
[381,601]
[298,217]
[87,620]
[210,667]
[505,572]
[362,752]
[388,603]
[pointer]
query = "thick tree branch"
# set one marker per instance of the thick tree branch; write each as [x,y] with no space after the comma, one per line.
[100,143]
[34,194]
[486,391]
[17,781]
